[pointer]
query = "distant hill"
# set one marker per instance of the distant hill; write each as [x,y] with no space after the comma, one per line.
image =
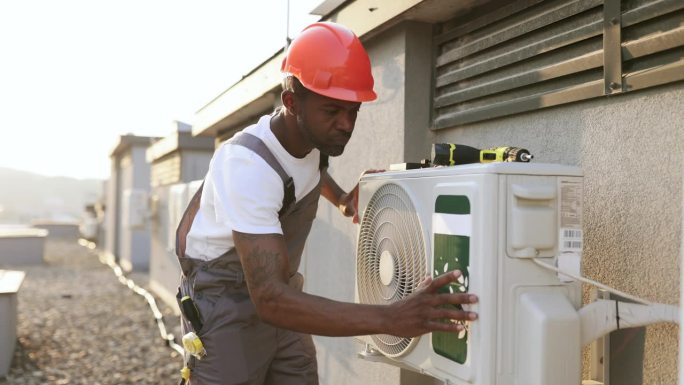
[25,196]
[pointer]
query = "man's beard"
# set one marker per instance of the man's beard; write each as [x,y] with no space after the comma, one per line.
[325,149]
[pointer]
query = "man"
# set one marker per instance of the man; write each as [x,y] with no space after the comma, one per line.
[240,243]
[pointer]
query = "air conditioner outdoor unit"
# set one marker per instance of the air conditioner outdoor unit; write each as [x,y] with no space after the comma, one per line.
[489,221]
[179,198]
[178,201]
[135,208]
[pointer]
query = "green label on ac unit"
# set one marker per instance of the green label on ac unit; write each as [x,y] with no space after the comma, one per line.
[452,227]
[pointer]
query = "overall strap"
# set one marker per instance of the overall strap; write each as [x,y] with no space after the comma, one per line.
[257,146]
[186,223]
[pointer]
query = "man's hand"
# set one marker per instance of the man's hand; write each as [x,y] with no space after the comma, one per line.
[349,202]
[423,311]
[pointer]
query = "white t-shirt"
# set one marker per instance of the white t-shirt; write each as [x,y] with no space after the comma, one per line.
[243,193]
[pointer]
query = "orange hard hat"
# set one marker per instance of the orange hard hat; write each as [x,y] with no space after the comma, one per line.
[329,60]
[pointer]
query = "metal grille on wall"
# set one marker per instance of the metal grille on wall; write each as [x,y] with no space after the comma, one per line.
[532,54]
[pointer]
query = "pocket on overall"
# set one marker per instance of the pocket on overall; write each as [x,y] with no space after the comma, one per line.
[208,303]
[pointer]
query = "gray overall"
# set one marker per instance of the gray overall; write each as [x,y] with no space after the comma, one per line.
[241,349]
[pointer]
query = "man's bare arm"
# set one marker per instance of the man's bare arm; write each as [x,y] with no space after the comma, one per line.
[347,203]
[265,263]
[333,192]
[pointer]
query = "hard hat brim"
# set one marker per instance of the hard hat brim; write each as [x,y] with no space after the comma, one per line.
[345,94]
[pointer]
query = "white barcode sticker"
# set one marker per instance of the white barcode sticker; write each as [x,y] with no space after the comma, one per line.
[570,206]
[570,240]
[572,245]
[572,234]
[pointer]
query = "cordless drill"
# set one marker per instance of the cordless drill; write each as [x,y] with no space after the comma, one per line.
[450,154]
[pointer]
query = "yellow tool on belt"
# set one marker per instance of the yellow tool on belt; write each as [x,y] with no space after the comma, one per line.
[193,345]
[191,342]
[185,375]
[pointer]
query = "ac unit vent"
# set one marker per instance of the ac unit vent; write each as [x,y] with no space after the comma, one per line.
[391,258]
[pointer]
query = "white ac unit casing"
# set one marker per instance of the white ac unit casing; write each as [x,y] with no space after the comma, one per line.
[179,198]
[135,208]
[489,221]
[178,201]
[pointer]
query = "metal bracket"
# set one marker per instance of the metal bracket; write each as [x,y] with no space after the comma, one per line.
[612,47]
[600,349]
[618,355]
[371,354]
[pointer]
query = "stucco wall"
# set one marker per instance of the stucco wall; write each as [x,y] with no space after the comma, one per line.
[630,148]
[681,293]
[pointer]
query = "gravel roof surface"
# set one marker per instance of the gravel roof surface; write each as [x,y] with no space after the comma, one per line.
[79,325]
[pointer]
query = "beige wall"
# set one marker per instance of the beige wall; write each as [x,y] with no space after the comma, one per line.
[630,148]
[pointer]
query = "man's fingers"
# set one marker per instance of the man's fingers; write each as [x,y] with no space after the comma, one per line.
[372,171]
[425,283]
[444,279]
[444,326]
[456,299]
[451,314]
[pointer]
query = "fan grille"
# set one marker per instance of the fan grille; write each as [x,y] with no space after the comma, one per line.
[391,256]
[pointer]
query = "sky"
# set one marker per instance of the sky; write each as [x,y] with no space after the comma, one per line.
[76,74]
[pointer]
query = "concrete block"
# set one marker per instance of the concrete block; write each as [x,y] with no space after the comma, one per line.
[10,281]
[59,229]
[24,246]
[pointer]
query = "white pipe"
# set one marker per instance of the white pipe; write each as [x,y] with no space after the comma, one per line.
[591,282]
[603,316]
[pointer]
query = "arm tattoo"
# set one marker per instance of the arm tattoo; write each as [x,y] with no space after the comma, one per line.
[263,266]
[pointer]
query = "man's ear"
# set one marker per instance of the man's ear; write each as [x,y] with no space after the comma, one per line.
[289,102]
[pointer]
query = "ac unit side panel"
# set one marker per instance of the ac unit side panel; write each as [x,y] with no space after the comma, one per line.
[518,193]
[548,348]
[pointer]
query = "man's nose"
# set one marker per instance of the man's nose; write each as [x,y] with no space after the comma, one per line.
[345,122]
